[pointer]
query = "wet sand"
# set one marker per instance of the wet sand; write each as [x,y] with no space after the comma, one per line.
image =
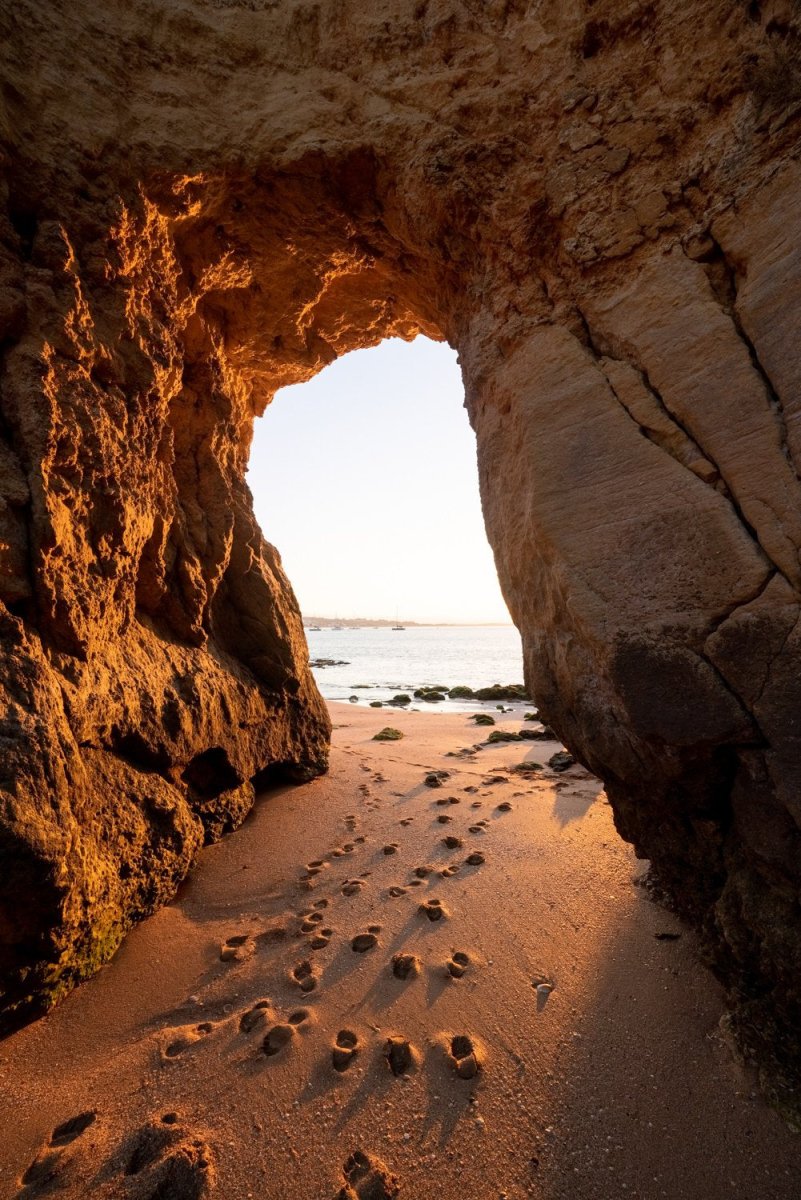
[340,1003]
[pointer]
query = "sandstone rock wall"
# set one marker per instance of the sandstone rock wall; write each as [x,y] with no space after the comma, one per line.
[596,203]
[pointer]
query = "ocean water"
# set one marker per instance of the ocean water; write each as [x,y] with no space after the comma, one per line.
[381,662]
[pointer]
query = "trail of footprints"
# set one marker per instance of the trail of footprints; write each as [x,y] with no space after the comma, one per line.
[162,1160]
[277,1033]
[275,1028]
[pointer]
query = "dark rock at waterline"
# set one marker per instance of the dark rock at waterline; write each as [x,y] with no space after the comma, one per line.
[461,693]
[424,693]
[503,735]
[546,734]
[483,719]
[401,698]
[561,760]
[376,703]
[328,662]
[499,691]
[387,734]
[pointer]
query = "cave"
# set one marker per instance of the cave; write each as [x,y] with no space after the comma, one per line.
[601,217]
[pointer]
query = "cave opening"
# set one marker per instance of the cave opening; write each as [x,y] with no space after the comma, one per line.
[365,478]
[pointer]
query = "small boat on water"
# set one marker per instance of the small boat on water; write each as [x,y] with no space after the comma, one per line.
[397,627]
[314,629]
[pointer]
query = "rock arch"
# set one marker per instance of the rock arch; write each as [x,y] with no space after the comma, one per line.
[596,203]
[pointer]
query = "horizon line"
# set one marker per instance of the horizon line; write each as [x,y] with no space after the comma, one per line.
[399,621]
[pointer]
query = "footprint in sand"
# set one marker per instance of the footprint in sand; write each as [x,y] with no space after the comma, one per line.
[345,1049]
[277,1038]
[452,842]
[505,806]
[433,909]
[298,1017]
[367,1178]
[448,872]
[361,839]
[405,966]
[476,804]
[422,872]
[464,1057]
[400,1055]
[238,948]
[69,1130]
[366,941]
[415,883]
[50,1167]
[305,976]
[255,1017]
[475,859]
[187,1037]
[470,788]
[321,939]
[391,848]
[321,903]
[444,819]
[146,1147]
[166,1159]
[310,921]
[352,887]
[407,820]
[395,890]
[457,964]
[476,829]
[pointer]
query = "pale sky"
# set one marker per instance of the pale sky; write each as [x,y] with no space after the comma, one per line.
[365,479]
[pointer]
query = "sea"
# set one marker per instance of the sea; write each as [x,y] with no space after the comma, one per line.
[377,663]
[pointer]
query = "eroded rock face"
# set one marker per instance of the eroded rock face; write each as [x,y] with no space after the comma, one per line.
[597,204]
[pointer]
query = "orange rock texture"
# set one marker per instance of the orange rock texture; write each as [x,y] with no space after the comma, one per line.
[596,202]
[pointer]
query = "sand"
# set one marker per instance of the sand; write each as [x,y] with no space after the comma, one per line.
[339,1003]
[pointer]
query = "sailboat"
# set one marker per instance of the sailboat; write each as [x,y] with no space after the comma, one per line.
[397,625]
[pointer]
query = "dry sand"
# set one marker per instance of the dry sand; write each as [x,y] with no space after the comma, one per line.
[615,1083]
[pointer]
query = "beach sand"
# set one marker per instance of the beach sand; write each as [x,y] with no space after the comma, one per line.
[554,1035]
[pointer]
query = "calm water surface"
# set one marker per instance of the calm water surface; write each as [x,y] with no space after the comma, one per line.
[381,662]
